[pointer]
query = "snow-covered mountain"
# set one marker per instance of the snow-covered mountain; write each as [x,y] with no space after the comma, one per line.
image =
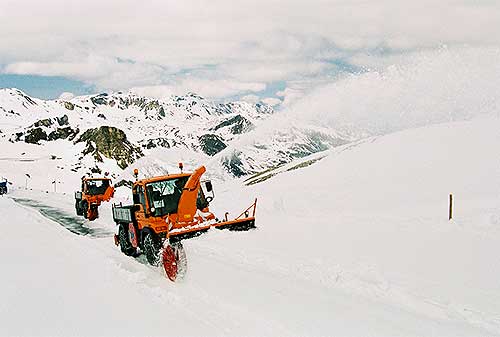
[110,131]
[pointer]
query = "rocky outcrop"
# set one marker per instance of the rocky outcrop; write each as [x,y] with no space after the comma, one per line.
[111,143]
[43,122]
[35,135]
[69,105]
[211,144]
[234,165]
[237,125]
[157,142]
[63,120]
[47,129]
[63,133]
[99,99]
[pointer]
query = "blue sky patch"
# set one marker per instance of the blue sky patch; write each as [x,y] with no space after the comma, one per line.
[45,87]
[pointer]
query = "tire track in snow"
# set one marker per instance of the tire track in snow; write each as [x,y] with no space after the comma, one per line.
[74,224]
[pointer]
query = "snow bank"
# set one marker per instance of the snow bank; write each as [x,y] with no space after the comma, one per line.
[372,219]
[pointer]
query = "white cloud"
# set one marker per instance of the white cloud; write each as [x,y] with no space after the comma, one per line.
[204,87]
[156,91]
[245,43]
[272,101]
[250,98]
[105,72]
[66,96]
[292,93]
[219,87]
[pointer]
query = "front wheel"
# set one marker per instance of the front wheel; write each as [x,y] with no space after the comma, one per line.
[93,212]
[125,245]
[174,261]
[151,249]
[85,209]
[78,208]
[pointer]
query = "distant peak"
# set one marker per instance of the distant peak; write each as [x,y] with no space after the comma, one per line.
[14,91]
[21,94]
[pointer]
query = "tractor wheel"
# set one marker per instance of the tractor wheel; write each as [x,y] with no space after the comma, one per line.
[125,245]
[181,258]
[151,249]
[85,208]
[78,208]
[174,261]
[93,212]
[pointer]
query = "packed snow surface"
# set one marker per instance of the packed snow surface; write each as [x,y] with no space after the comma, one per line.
[359,243]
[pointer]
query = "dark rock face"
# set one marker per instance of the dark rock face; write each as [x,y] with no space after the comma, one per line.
[157,142]
[69,105]
[211,144]
[100,99]
[43,122]
[111,143]
[264,108]
[39,130]
[234,166]
[63,120]
[238,123]
[35,135]
[96,170]
[63,133]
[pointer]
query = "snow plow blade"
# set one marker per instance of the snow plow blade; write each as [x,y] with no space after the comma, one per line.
[237,225]
[240,224]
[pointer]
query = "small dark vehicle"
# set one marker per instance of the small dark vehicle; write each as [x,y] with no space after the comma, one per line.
[3,187]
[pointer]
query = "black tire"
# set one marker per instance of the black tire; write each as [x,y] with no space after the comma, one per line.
[125,245]
[94,210]
[85,208]
[151,249]
[78,208]
[181,259]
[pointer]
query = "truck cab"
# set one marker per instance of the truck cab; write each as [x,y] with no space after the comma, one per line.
[166,210]
[93,192]
[157,202]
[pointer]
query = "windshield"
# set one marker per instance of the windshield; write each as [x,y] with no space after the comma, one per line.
[164,195]
[95,187]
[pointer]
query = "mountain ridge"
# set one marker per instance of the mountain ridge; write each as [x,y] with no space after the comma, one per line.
[227,133]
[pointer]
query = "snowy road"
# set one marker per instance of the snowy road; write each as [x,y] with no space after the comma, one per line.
[228,291]
[73,223]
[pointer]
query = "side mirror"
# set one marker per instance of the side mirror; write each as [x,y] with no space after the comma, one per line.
[208,186]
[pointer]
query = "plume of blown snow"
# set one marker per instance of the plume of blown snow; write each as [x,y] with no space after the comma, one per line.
[449,84]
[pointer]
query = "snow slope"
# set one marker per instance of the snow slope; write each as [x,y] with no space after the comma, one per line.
[357,243]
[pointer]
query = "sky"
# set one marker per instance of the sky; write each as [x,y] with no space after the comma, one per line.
[275,51]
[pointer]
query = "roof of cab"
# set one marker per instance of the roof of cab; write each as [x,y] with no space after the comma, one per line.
[96,178]
[161,178]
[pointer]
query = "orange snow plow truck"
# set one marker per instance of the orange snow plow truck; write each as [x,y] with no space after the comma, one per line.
[167,210]
[94,191]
